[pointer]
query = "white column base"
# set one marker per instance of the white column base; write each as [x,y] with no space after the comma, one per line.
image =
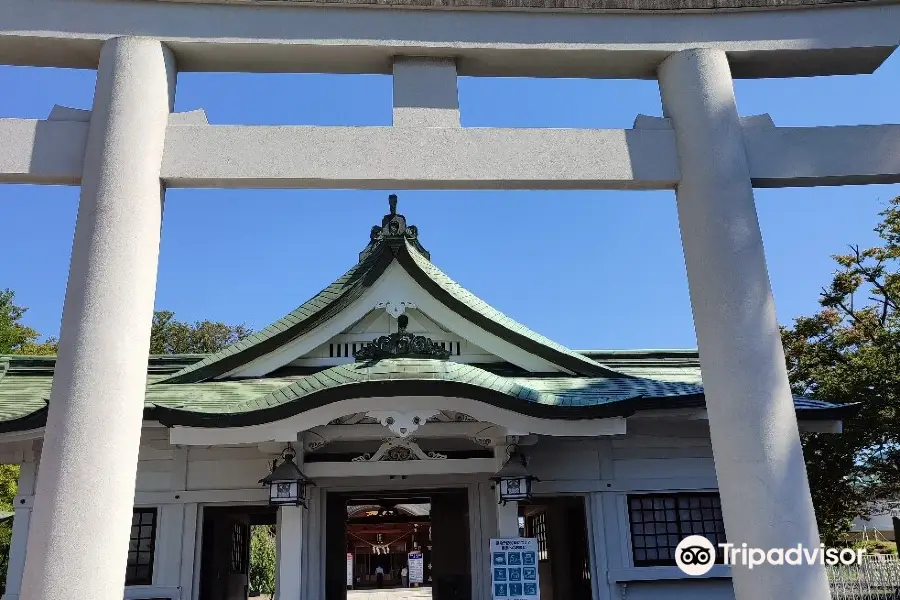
[507,519]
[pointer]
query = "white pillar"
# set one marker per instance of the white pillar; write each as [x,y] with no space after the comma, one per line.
[78,544]
[289,547]
[507,514]
[507,518]
[425,92]
[759,461]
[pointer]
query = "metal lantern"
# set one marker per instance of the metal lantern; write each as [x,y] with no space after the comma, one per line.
[287,483]
[514,479]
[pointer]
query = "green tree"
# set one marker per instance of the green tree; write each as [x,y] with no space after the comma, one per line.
[849,352]
[262,560]
[16,338]
[170,336]
[167,334]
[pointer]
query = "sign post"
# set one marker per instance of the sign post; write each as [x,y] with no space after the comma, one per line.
[514,569]
[416,566]
[349,569]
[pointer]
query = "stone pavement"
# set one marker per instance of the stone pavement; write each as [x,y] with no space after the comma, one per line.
[391,594]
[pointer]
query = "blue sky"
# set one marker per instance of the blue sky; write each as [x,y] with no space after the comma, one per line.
[589,269]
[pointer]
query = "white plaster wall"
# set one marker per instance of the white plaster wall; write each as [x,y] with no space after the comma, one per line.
[179,481]
[557,460]
[623,459]
[662,458]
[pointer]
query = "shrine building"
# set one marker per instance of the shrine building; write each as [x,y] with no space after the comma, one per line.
[400,395]
[148,473]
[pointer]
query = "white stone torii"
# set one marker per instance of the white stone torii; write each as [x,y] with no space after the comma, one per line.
[130,149]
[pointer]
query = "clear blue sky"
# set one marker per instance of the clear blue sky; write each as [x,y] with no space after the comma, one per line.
[589,269]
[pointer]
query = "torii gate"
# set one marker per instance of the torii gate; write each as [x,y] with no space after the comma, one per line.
[130,148]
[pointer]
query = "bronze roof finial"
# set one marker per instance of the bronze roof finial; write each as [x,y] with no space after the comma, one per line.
[393,229]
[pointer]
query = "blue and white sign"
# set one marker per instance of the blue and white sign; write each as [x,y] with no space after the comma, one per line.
[416,565]
[514,569]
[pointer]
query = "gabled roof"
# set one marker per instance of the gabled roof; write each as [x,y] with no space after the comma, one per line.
[197,390]
[391,242]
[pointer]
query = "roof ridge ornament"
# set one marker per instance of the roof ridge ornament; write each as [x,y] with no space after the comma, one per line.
[394,228]
[402,345]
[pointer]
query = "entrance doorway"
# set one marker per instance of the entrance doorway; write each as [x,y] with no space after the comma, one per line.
[225,551]
[369,538]
[380,538]
[559,524]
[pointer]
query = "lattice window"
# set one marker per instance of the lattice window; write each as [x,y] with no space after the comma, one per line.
[660,521]
[239,548]
[536,527]
[141,547]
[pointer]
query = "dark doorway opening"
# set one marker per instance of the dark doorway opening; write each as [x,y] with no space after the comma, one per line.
[560,526]
[225,550]
[369,537]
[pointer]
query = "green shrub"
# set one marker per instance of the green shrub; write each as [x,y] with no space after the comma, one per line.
[877,546]
[262,560]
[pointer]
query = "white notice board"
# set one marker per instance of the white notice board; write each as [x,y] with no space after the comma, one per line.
[349,569]
[514,569]
[416,565]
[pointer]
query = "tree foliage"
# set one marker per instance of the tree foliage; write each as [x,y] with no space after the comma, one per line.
[16,338]
[167,334]
[170,336]
[849,352]
[262,560]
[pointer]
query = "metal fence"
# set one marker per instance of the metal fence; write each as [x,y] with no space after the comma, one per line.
[875,578]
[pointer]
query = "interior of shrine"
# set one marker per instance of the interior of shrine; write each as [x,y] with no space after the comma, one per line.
[381,532]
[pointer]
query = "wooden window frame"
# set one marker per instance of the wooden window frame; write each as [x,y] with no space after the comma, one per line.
[240,534]
[134,555]
[536,527]
[675,529]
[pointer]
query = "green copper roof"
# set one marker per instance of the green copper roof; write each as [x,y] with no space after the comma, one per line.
[392,241]
[295,323]
[191,389]
[482,308]
[549,397]
[25,390]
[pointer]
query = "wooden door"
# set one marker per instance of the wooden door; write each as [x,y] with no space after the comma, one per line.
[225,556]
[450,557]
[335,547]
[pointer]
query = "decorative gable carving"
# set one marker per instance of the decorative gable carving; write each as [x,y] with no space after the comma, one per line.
[395,308]
[402,344]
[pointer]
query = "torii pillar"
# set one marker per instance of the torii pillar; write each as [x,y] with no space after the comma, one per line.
[756,444]
[80,525]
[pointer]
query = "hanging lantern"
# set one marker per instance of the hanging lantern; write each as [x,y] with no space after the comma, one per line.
[287,483]
[514,479]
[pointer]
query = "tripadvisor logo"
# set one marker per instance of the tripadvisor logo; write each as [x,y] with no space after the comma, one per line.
[695,555]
